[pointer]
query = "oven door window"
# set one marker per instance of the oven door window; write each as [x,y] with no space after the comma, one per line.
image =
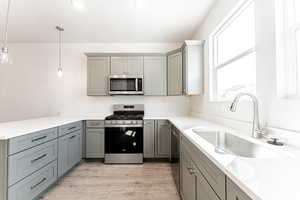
[122,84]
[124,140]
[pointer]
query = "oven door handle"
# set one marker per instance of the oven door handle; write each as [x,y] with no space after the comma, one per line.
[136,85]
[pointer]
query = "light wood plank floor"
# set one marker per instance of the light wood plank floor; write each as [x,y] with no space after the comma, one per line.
[96,181]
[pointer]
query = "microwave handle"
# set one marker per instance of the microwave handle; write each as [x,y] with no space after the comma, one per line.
[136,85]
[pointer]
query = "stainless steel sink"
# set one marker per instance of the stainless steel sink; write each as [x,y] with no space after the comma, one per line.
[227,143]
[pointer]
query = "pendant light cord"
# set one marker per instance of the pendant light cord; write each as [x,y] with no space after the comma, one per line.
[59,50]
[5,35]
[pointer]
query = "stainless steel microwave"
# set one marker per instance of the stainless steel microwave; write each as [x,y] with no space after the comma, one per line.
[126,85]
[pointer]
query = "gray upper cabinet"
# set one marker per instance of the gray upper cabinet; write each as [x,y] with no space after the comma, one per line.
[234,192]
[175,73]
[163,139]
[98,70]
[155,76]
[149,139]
[193,67]
[127,65]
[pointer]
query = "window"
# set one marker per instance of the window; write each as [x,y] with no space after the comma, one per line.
[288,48]
[232,54]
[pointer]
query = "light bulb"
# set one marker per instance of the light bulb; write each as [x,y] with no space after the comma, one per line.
[78,4]
[4,57]
[59,72]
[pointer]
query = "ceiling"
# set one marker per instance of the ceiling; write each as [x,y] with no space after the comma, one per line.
[104,20]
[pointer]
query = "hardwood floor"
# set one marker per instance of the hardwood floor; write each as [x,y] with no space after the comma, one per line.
[96,181]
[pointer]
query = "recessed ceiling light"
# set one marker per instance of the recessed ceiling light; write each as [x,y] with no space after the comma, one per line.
[78,4]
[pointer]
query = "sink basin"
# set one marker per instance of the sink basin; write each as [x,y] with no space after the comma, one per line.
[227,143]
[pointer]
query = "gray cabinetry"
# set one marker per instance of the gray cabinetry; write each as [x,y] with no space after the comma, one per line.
[127,65]
[162,139]
[175,73]
[32,186]
[193,67]
[69,153]
[234,192]
[155,76]
[188,180]
[95,139]
[98,70]
[149,139]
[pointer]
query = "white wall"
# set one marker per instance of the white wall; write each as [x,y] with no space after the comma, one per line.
[29,87]
[276,112]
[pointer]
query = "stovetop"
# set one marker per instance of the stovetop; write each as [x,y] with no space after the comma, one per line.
[125,117]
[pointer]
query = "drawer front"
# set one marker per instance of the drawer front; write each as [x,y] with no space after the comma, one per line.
[34,185]
[95,124]
[234,192]
[69,128]
[25,163]
[214,176]
[21,143]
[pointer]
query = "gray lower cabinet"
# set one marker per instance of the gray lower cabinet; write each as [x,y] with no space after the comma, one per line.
[175,74]
[234,192]
[27,162]
[32,186]
[98,70]
[95,143]
[149,139]
[155,76]
[69,151]
[162,139]
[188,180]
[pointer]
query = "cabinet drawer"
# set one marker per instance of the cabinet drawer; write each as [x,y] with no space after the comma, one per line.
[21,143]
[95,124]
[25,163]
[214,176]
[69,128]
[234,192]
[34,185]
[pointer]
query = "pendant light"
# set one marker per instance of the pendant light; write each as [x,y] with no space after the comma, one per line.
[4,56]
[60,29]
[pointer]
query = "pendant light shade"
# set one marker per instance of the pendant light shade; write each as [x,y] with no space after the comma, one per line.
[59,70]
[4,56]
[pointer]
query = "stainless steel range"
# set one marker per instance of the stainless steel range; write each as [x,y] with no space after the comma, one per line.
[124,134]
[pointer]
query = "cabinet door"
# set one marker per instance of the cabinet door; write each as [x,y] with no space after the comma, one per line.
[234,192]
[155,76]
[68,152]
[175,74]
[97,76]
[162,137]
[118,65]
[203,189]
[135,66]
[95,143]
[188,182]
[149,139]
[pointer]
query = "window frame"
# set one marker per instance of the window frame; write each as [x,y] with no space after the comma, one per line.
[287,63]
[236,12]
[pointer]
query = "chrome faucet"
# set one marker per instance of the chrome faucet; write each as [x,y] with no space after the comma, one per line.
[257,131]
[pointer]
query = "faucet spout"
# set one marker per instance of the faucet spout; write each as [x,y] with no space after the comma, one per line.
[256,129]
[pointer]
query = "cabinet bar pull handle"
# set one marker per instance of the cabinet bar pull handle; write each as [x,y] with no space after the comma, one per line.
[73,136]
[34,186]
[37,139]
[71,128]
[38,158]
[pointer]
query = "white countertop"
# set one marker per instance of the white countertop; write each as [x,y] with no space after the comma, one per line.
[262,179]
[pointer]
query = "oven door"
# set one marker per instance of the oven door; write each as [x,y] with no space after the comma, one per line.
[119,85]
[124,140]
